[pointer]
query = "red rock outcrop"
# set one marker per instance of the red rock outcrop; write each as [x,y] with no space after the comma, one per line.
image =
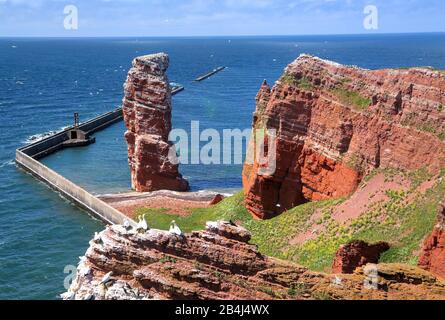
[432,257]
[218,263]
[357,254]
[335,123]
[147,114]
[217,199]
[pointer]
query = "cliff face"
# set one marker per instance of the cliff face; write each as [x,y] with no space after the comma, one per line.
[432,257]
[357,254]
[147,114]
[336,123]
[219,263]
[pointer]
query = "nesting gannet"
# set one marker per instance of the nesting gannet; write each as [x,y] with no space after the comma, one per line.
[68,295]
[174,229]
[142,225]
[127,225]
[106,278]
[97,238]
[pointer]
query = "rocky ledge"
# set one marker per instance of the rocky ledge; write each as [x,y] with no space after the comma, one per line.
[219,263]
[147,111]
[336,123]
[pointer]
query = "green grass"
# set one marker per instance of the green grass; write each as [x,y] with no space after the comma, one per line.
[420,67]
[289,79]
[303,83]
[272,236]
[402,226]
[352,98]
[231,208]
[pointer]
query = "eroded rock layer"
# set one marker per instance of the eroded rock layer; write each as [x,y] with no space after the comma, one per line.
[432,257]
[357,254]
[219,263]
[335,123]
[147,114]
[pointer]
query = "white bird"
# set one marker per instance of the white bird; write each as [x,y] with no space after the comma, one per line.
[174,229]
[337,281]
[142,225]
[97,238]
[84,270]
[127,225]
[106,278]
[68,295]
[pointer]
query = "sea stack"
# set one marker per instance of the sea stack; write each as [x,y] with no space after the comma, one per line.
[147,111]
[336,123]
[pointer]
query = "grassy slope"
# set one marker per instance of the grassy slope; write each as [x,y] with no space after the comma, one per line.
[403,226]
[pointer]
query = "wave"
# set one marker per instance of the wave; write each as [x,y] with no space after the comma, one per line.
[7,163]
[40,136]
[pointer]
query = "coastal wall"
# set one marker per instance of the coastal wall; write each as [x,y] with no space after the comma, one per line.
[81,197]
[27,156]
[55,142]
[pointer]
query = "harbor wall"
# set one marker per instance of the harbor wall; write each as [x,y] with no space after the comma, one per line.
[53,143]
[70,190]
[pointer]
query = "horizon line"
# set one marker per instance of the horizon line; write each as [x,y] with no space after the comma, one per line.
[221,36]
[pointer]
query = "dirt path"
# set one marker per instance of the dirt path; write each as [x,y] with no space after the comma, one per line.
[177,203]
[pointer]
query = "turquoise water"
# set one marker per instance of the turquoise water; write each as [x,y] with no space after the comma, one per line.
[43,81]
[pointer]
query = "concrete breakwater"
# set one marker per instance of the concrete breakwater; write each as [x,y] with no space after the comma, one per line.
[209,74]
[27,158]
[56,142]
[71,191]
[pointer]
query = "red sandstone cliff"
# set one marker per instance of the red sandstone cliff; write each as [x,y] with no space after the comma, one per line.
[432,257]
[357,254]
[219,263]
[147,114]
[336,123]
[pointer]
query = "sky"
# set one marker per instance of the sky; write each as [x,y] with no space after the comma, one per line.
[216,17]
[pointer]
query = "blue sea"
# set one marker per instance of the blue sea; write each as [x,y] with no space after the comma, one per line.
[44,81]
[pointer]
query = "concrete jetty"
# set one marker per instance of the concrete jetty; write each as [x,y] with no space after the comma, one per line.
[76,135]
[209,74]
[177,89]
